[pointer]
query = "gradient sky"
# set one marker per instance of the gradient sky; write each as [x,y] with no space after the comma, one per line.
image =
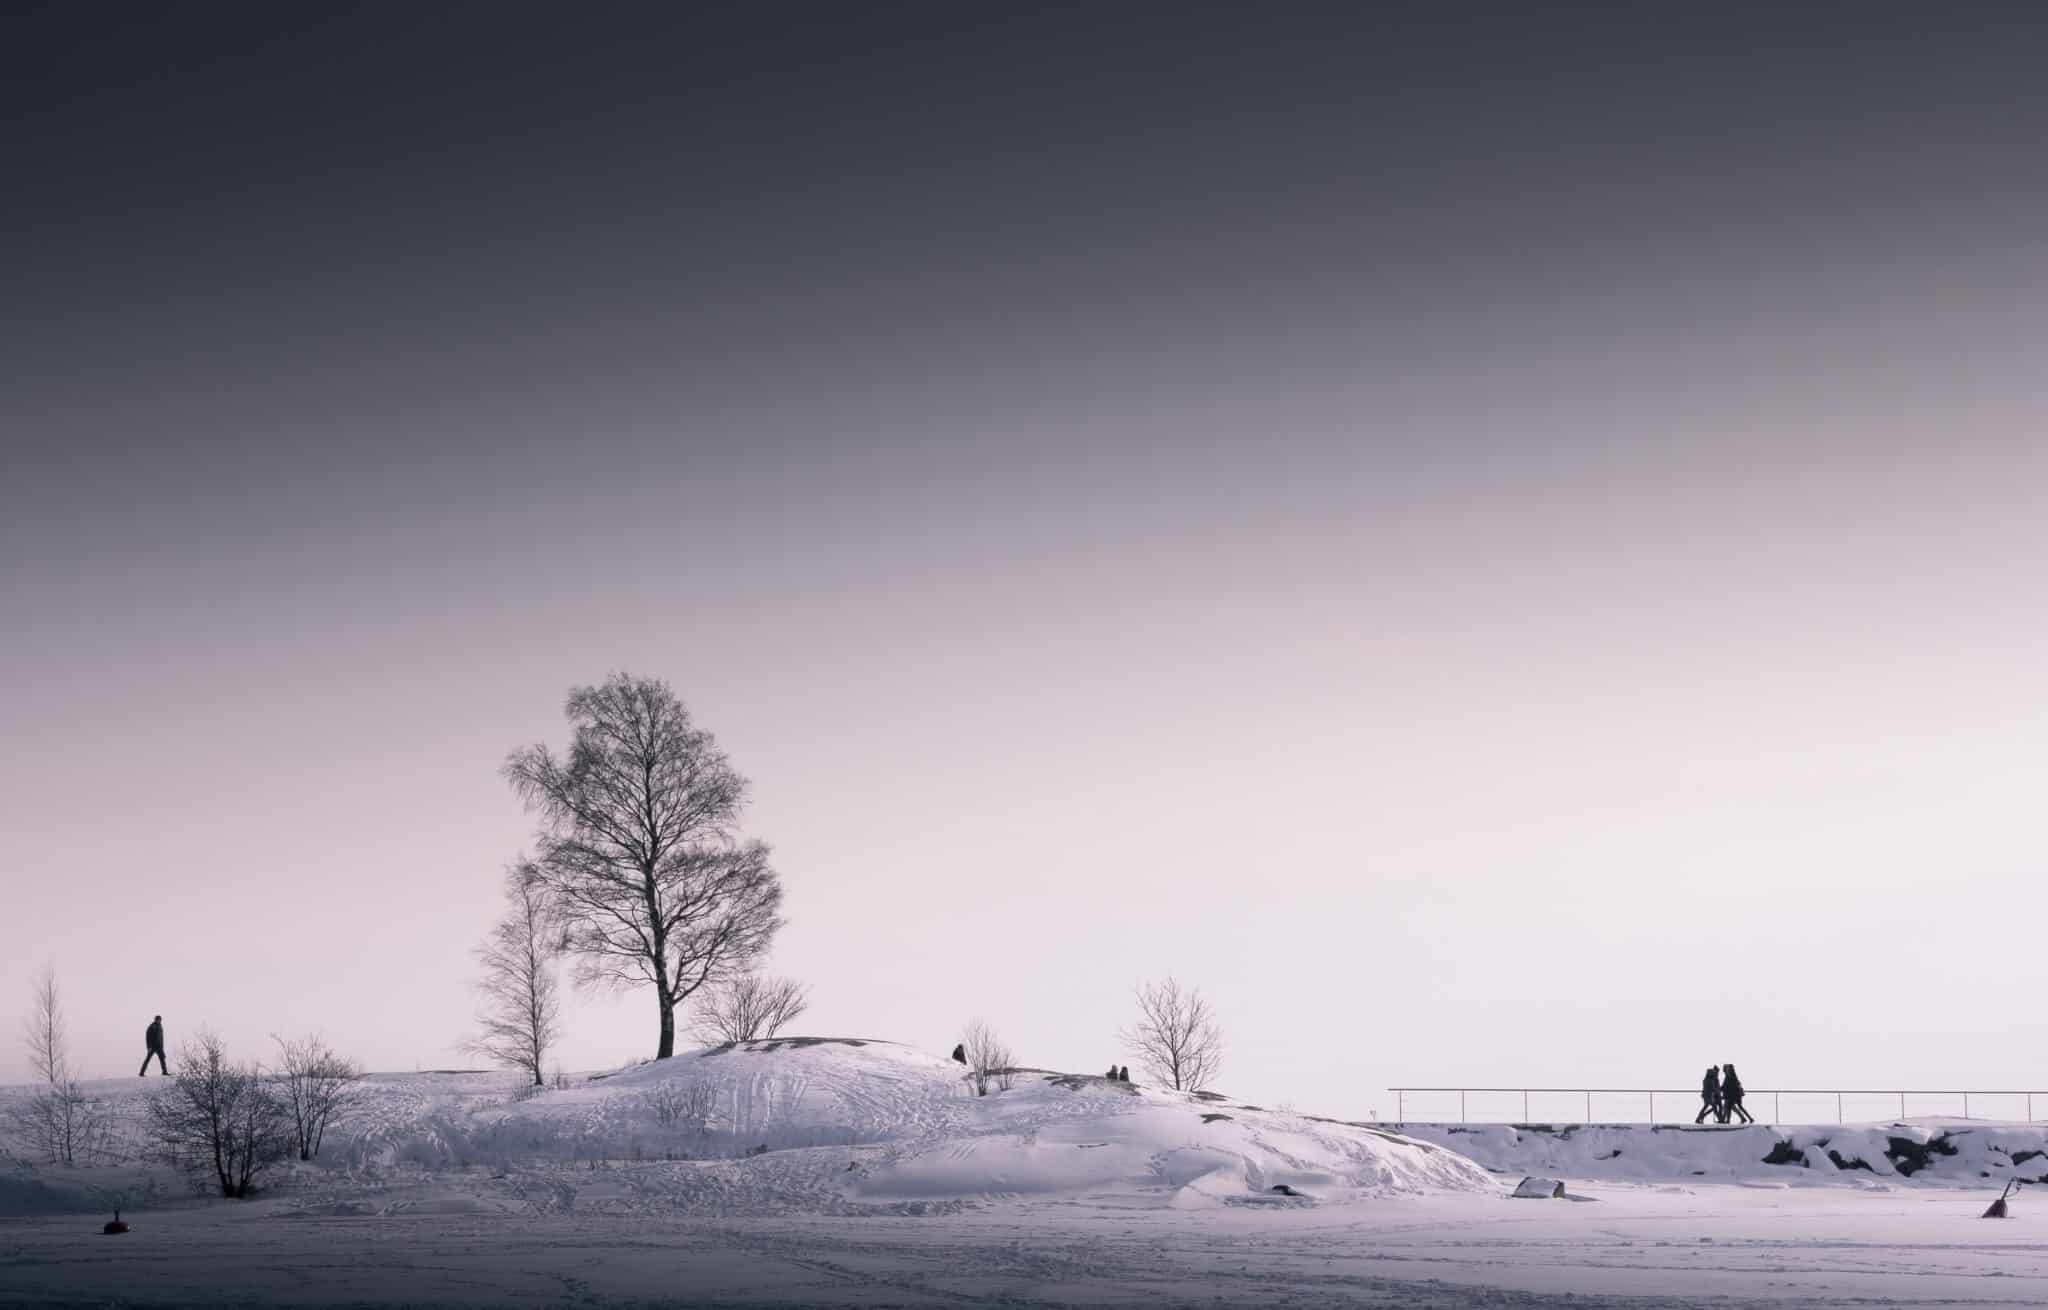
[1506,545]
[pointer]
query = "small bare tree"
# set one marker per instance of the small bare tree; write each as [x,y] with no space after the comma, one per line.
[521,1015]
[1177,1037]
[987,1058]
[221,1122]
[316,1085]
[57,1119]
[749,1006]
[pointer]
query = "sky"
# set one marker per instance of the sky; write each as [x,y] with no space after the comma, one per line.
[1503,544]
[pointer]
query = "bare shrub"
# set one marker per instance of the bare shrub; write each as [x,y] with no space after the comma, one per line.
[988,1060]
[559,1079]
[521,1014]
[316,1085]
[1176,1035]
[220,1122]
[748,1007]
[57,1120]
[677,1104]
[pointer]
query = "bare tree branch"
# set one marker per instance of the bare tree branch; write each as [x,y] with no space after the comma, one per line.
[639,849]
[1178,1040]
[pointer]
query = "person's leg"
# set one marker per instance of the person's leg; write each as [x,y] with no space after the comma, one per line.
[1744,1113]
[144,1071]
[1706,1108]
[162,1068]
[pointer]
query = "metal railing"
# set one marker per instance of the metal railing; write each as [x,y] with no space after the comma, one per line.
[1750,1096]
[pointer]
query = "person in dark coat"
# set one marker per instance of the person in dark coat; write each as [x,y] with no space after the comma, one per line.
[155,1038]
[1123,1075]
[1731,1095]
[1710,1097]
[1111,1075]
[960,1053]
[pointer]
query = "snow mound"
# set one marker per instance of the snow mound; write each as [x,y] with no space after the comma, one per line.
[864,1123]
[821,1125]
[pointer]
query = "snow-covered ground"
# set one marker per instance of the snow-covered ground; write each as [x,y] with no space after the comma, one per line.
[855,1172]
[1711,1245]
[795,1126]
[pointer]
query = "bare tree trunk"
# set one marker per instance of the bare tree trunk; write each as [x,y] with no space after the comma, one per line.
[667,1046]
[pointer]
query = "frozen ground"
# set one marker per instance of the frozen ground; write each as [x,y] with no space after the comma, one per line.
[840,1172]
[1708,1245]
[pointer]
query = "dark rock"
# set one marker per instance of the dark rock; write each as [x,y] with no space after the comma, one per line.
[1910,1157]
[1786,1153]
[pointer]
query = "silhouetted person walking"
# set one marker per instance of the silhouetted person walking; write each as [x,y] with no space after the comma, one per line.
[1710,1096]
[155,1038]
[1731,1095]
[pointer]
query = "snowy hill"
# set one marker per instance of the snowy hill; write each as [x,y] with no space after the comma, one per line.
[819,1125]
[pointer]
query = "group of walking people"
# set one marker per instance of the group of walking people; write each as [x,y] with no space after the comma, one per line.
[1721,1096]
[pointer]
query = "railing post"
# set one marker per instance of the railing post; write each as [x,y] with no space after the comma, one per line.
[2030,1107]
[1653,1107]
[1400,1106]
[1838,1110]
[1461,1105]
[1589,1106]
[1525,1105]
[1902,1105]
[1776,1118]
[1966,1105]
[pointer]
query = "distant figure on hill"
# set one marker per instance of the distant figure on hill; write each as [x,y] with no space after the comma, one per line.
[1123,1075]
[1710,1097]
[960,1053]
[1731,1095]
[1111,1075]
[155,1037]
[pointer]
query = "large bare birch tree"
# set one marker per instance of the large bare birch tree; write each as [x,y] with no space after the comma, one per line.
[639,847]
